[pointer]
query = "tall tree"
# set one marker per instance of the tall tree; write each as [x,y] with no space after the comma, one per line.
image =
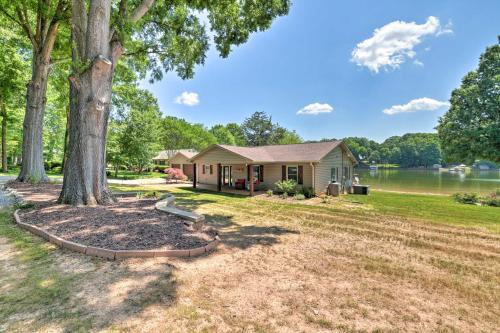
[170,33]
[39,21]
[179,134]
[471,128]
[13,70]
[223,135]
[258,129]
[237,132]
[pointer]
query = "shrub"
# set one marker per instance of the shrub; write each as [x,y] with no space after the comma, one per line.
[287,186]
[466,198]
[269,193]
[160,168]
[285,195]
[300,196]
[493,199]
[57,169]
[175,174]
[307,191]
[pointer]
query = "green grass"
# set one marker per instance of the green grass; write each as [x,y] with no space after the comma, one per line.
[434,208]
[130,175]
[40,288]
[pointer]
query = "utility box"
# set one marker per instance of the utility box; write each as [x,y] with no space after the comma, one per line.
[361,189]
[334,189]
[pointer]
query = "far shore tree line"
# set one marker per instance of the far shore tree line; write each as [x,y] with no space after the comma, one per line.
[69,94]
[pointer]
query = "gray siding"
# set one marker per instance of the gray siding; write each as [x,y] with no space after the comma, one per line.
[323,168]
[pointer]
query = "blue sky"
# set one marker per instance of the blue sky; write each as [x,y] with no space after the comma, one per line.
[407,69]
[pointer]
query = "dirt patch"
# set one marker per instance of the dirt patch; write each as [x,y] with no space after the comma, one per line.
[129,224]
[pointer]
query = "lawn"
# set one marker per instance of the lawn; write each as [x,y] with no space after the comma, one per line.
[382,263]
[130,175]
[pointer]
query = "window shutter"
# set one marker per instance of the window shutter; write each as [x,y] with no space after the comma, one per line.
[248,172]
[211,169]
[261,173]
[283,172]
[301,175]
[203,168]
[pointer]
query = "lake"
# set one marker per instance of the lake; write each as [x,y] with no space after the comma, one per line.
[430,181]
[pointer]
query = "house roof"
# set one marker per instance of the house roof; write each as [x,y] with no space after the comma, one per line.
[187,153]
[168,154]
[302,152]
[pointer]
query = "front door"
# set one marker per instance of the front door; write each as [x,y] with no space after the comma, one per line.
[226,175]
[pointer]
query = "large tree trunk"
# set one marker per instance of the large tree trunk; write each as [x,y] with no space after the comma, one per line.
[32,169]
[66,137]
[4,139]
[4,144]
[85,179]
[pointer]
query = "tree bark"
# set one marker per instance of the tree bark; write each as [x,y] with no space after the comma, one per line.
[66,137]
[85,180]
[4,139]
[32,169]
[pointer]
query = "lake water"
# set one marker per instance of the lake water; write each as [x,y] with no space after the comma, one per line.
[430,181]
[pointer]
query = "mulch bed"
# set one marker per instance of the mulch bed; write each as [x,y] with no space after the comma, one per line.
[129,224]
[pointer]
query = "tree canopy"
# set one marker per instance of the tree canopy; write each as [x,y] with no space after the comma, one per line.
[471,128]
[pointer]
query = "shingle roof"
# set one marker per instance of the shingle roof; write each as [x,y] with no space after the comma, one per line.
[168,154]
[303,152]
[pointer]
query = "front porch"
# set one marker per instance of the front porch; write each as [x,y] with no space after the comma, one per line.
[229,178]
[227,189]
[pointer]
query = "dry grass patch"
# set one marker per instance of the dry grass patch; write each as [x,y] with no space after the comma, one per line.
[282,268]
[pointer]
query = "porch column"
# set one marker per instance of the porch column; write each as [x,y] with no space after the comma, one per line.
[194,175]
[251,179]
[219,177]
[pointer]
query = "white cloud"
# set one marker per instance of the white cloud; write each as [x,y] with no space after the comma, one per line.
[419,104]
[393,43]
[315,109]
[188,98]
[418,63]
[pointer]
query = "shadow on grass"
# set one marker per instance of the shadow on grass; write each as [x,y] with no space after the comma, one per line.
[45,288]
[245,236]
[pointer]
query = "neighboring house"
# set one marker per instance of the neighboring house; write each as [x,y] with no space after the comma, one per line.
[182,160]
[163,157]
[310,164]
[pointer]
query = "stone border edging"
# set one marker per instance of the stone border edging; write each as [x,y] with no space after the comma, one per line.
[119,254]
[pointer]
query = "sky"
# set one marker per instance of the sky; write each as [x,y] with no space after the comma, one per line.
[332,69]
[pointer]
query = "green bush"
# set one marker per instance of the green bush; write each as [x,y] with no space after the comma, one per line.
[269,193]
[300,196]
[467,198]
[284,195]
[160,168]
[307,191]
[492,199]
[288,186]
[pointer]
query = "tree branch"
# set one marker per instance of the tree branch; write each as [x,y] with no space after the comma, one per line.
[141,10]
[26,27]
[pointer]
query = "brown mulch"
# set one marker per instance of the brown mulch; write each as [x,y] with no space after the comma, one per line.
[129,224]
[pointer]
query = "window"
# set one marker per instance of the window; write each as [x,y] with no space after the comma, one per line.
[292,172]
[256,172]
[334,175]
[161,162]
[206,168]
[346,173]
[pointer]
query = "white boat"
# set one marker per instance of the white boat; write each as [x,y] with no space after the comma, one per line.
[373,167]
